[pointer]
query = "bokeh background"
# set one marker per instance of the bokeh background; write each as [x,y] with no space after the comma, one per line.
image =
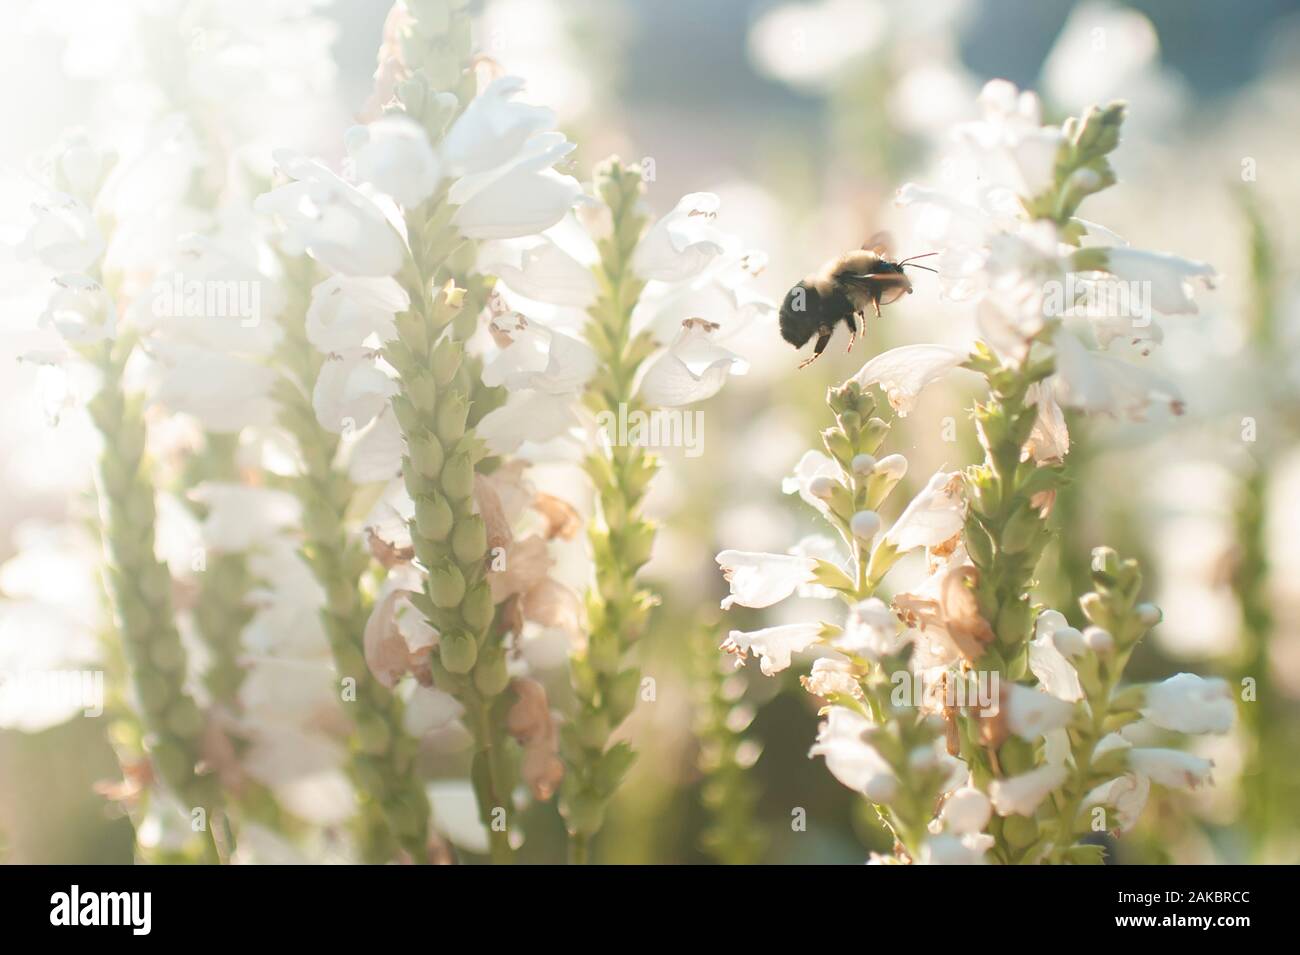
[805,118]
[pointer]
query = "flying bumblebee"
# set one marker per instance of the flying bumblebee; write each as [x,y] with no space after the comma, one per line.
[841,291]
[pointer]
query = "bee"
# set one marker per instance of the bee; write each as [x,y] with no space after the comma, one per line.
[841,291]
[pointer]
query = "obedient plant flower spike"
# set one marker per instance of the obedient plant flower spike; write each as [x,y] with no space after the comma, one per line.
[392,810]
[617,608]
[221,607]
[140,589]
[1112,607]
[728,791]
[432,408]
[1006,528]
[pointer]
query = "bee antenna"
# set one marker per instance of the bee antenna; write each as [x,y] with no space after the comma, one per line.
[923,255]
[911,266]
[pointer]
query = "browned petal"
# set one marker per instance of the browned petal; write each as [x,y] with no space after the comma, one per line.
[969,631]
[552,604]
[527,563]
[387,654]
[562,518]
[388,554]
[530,714]
[493,513]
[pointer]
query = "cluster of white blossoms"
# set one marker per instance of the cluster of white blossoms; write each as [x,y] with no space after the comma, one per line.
[982,726]
[320,427]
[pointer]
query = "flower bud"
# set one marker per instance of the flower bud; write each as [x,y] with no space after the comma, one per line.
[821,487]
[863,464]
[1148,614]
[426,455]
[892,466]
[457,476]
[433,518]
[445,361]
[1099,641]
[457,651]
[446,587]
[451,419]
[477,608]
[490,673]
[469,539]
[865,525]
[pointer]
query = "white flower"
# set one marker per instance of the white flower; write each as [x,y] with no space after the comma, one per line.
[493,128]
[933,517]
[761,580]
[1171,767]
[813,467]
[64,236]
[1049,441]
[527,416]
[522,198]
[903,372]
[544,272]
[831,676]
[346,310]
[376,454]
[945,849]
[871,630]
[842,740]
[773,645]
[393,155]
[1030,714]
[1168,279]
[1188,703]
[224,392]
[1102,384]
[1054,643]
[965,811]
[535,357]
[350,391]
[1014,148]
[725,293]
[80,310]
[691,369]
[1126,794]
[683,243]
[333,221]
[1020,795]
[240,516]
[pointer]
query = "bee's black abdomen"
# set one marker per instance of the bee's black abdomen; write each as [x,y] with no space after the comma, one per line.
[800,315]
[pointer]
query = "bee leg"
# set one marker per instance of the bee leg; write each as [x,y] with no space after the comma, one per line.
[875,303]
[823,339]
[853,331]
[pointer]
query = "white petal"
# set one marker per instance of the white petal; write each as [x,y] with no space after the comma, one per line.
[395,157]
[346,310]
[903,372]
[1030,714]
[773,645]
[760,580]
[1022,794]
[841,739]
[1188,703]
[1171,767]
[934,516]
[682,243]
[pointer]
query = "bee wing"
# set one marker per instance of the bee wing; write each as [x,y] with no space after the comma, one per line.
[866,288]
[882,243]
